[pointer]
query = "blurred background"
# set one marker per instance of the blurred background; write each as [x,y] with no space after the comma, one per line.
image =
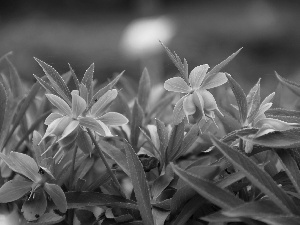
[124,35]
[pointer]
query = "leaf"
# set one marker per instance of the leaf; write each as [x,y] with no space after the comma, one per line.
[144,89]
[294,87]
[160,216]
[188,141]
[76,81]
[13,190]
[140,185]
[103,103]
[290,116]
[56,80]
[15,81]
[175,141]
[290,167]
[240,98]
[60,104]
[84,168]
[84,141]
[48,219]
[229,122]
[114,119]
[221,65]
[35,207]
[92,124]
[162,182]
[103,90]
[163,136]
[78,105]
[83,199]
[3,104]
[45,85]
[116,154]
[135,123]
[182,67]
[278,139]
[208,190]
[87,80]
[178,112]
[160,106]
[57,195]
[257,176]
[253,101]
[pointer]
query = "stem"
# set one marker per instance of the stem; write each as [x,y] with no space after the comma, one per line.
[241,145]
[97,146]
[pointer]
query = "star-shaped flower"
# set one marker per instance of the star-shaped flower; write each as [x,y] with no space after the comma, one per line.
[197,98]
[38,182]
[64,124]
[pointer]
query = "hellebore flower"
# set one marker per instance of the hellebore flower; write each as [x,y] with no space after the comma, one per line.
[36,182]
[264,124]
[65,123]
[197,98]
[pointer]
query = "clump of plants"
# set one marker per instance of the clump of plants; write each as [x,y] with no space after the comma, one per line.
[106,154]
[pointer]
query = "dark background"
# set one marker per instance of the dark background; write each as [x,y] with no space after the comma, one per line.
[82,32]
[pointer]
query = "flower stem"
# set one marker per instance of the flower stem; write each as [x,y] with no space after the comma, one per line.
[112,175]
[73,169]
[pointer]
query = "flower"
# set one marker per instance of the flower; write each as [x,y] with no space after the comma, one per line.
[265,125]
[64,124]
[197,99]
[37,181]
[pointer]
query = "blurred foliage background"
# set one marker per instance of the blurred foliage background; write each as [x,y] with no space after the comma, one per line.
[123,35]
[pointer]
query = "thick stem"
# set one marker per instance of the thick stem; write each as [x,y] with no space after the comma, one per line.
[97,146]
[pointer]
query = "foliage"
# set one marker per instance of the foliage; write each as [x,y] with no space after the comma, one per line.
[152,158]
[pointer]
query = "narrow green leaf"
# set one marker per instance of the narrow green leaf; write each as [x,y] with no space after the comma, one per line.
[175,141]
[240,98]
[182,67]
[3,104]
[57,195]
[84,199]
[257,176]
[162,182]
[144,89]
[229,122]
[13,190]
[221,65]
[140,185]
[135,123]
[84,141]
[74,76]
[103,90]
[253,101]
[15,82]
[290,116]
[188,141]
[84,168]
[46,86]
[290,167]
[208,190]
[279,139]
[163,136]
[294,87]
[56,80]
[87,80]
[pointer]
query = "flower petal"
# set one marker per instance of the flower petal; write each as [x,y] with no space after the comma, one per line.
[23,164]
[197,75]
[102,103]
[78,104]
[57,127]
[83,92]
[13,190]
[92,124]
[177,84]
[178,112]
[199,102]
[69,129]
[52,117]
[36,206]
[105,128]
[113,119]
[189,107]
[57,195]
[214,81]
[208,99]
[61,105]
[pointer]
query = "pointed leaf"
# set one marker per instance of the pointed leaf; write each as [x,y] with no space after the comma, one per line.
[214,81]
[177,84]
[253,101]
[135,123]
[103,90]
[257,176]
[144,89]
[182,67]
[163,136]
[103,102]
[57,195]
[87,80]
[294,87]
[140,185]
[162,182]
[15,81]
[13,190]
[56,80]
[175,141]
[60,104]
[113,119]
[240,98]
[178,112]
[208,190]
[76,81]
[45,85]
